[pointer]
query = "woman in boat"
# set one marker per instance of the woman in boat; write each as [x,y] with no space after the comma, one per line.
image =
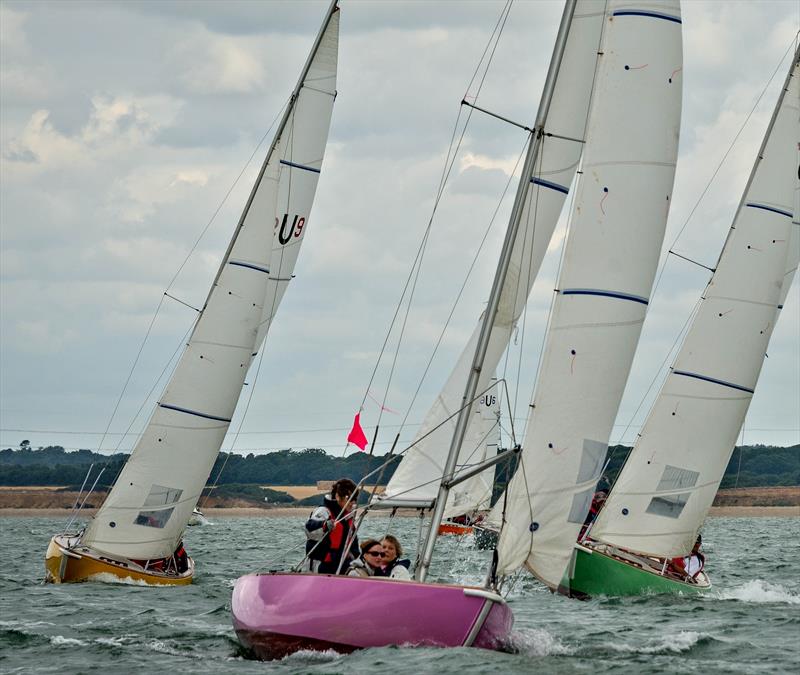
[370,562]
[328,530]
[393,566]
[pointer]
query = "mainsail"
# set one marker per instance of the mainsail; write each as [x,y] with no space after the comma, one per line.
[544,190]
[663,493]
[616,230]
[150,504]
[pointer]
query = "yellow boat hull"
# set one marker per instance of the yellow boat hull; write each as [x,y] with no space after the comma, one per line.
[66,561]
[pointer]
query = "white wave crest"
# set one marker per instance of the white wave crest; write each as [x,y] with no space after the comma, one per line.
[60,640]
[537,642]
[668,644]
[311,655]
[758,590]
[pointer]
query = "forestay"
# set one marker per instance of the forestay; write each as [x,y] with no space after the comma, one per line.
[616,231]
[147,510]
[663,494]
[418,475]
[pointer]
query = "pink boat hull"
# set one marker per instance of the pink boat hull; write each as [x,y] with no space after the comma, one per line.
[276,614]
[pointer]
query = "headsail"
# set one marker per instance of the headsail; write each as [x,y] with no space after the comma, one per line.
[547,189]
[147,510]
[663,493]
[616,231]
[483,438]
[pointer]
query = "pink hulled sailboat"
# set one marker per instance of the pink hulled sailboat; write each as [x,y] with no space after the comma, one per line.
[603,111]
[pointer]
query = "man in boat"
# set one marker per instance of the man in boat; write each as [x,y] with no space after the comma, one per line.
[329,528]
[690,566]
[598,501]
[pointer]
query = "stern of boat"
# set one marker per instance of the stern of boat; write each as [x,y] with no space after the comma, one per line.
[67,561]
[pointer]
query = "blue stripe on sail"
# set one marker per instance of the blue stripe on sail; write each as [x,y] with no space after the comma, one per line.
[251,266]
[300,166]
[550,184]
[753,205]
[607,294]
[712,380]
[193,412]
[642,12]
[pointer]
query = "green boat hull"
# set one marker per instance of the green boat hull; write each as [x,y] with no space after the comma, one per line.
[595,573]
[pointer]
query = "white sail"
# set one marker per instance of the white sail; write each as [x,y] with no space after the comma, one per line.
[616,232]
[152,500]
[663,493]
[416,476]
[483,439]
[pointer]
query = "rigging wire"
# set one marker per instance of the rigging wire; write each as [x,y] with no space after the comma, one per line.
[446,171]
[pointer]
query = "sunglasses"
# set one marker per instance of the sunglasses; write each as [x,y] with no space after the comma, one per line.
[377,555]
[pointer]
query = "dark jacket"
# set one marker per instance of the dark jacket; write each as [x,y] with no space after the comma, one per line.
[398,569]
[326,539]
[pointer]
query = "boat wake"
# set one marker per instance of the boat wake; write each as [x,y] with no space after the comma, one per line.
[760,591]
[537,642]
[311,656]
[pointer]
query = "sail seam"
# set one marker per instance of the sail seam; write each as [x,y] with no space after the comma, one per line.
[609,294]
[295,165]
[193,412]
[713,380]
[649,14]
[755,205]
[251,266]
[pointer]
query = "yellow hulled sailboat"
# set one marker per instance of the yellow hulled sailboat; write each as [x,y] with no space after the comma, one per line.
[137,534]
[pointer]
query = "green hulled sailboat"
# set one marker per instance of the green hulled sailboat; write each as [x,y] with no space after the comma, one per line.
[661,498]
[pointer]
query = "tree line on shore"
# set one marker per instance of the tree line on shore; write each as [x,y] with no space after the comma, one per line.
[750,466]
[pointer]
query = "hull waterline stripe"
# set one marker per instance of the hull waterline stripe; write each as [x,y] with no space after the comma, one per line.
[550,184]
[652,15]
[607,294]
[753,205]
[300,166]
[713,380]
[193,412]
[251,266]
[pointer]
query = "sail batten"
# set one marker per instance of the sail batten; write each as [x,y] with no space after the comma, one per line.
[150,504]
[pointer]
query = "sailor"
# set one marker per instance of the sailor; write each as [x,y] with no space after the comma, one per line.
[691,565]
[370,562]
[393,566]
[328,530]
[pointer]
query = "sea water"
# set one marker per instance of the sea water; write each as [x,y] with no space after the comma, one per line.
[748,623]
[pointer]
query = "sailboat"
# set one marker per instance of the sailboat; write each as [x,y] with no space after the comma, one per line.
[137,532]
[667,485]
[623,119]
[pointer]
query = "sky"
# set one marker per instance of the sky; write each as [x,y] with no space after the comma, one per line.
[124,128]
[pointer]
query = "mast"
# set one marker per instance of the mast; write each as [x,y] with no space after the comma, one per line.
[497,288]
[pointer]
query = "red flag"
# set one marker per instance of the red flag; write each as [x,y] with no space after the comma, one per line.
[356,435]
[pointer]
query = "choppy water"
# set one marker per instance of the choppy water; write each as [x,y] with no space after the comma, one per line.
[749,623]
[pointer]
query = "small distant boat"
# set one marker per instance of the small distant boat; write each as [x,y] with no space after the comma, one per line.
[660,500]
[137,533]
[197,518]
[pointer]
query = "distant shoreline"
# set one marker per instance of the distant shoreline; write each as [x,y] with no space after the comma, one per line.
[283,512]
